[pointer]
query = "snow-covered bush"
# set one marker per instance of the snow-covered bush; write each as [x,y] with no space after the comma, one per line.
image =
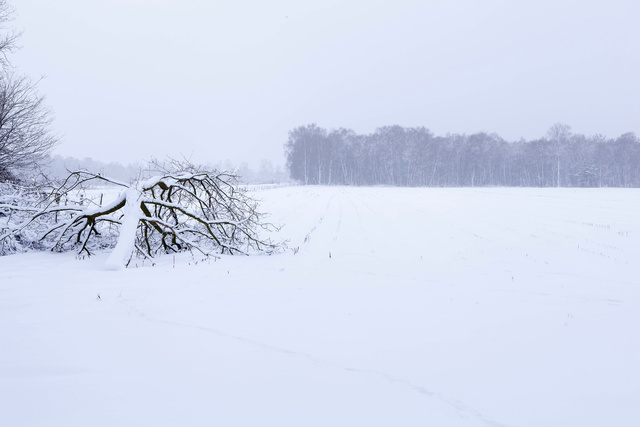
[17,205]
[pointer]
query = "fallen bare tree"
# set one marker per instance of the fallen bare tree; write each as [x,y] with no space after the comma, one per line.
[182,208]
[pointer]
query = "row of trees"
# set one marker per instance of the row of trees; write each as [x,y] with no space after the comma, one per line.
[394,155]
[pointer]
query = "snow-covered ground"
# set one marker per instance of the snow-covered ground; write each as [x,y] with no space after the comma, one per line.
[402,307]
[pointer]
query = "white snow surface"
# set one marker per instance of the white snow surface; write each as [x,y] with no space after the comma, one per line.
[402,307]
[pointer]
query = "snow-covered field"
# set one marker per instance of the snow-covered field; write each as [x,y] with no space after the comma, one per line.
[402,307]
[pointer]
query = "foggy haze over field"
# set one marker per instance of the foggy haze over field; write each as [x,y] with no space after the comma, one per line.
[133,79]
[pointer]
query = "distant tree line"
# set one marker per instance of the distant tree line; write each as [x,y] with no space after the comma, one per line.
[57,168]
[399,156]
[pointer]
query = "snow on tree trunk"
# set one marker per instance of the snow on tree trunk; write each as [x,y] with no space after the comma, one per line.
[122,253]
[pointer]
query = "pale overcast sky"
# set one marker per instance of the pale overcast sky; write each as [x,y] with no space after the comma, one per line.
[211,80]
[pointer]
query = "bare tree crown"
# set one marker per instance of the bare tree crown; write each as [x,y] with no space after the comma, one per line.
[25,121]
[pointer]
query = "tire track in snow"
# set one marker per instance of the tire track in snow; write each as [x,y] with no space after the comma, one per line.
[329,225]
[307,237]
[363,233]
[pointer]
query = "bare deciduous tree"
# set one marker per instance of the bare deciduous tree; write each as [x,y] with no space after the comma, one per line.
[8,36]
[183,208]
[25,137]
